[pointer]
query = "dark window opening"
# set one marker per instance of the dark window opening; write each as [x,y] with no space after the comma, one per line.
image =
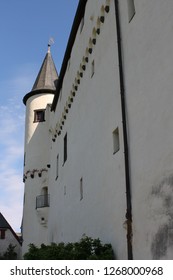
[39,115]
[81,188]
[2,233]
[116,141]
[43,200]
[65,148]
[92,68]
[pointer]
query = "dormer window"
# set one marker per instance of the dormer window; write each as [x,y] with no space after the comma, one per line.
[39,115]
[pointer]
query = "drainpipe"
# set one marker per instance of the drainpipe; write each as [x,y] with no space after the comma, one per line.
[126,150]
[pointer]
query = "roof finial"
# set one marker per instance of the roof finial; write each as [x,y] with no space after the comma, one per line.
[51,42]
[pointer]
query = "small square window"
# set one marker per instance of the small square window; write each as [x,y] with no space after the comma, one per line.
[2,233]
[39,115]
[116,143]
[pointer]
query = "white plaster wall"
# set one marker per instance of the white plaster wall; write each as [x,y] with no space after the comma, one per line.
[34,231]
[37,151]
[37,133]
[147,54]
[94,115]
[10,239]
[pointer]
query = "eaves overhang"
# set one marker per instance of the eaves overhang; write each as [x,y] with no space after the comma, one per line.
[77,20]
[38,91]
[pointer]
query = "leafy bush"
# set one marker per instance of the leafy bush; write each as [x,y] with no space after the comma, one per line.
[10,254]
[86,249]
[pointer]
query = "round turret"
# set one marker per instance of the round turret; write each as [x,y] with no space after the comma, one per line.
[37,149]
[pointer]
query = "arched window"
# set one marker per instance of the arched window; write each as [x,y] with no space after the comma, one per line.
[45,196]
[44,191]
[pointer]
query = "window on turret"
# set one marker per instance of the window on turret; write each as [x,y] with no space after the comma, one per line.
[39,115]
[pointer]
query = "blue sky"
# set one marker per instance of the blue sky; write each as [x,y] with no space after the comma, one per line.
[25,29]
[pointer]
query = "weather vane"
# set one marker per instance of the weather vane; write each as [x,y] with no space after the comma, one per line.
[50,43]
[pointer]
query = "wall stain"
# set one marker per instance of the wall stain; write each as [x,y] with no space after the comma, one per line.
[162,213]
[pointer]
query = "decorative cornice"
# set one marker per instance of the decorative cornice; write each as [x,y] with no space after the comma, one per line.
[80,72]
[32,173]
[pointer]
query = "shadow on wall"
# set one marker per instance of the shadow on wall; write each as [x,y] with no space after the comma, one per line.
[162,218]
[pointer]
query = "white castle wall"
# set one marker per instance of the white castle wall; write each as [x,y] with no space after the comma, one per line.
[94,114]
[147,56]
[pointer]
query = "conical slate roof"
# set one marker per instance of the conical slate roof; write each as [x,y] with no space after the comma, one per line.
[47,78]
[47,75]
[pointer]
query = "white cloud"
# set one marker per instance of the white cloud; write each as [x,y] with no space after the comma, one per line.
[12,115]
[11,190]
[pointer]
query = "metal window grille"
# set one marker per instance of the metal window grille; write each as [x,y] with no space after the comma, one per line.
[43,201]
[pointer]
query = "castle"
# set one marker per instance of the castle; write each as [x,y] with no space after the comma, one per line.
[99,136]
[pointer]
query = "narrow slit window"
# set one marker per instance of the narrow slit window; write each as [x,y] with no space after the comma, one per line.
[131,9]
[92,68]
[116,143]
[81,188]
[65,148]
